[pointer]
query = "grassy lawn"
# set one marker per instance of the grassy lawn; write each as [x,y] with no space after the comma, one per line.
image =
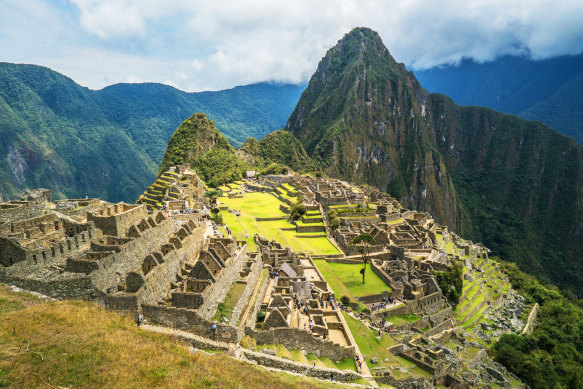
[402,319]
[265,205]
[345,279]
[84,346]
[225,308]
[371,346]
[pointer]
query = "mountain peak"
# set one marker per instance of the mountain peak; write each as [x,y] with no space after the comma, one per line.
[360,41]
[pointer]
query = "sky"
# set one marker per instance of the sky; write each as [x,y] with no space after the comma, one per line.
[212,45]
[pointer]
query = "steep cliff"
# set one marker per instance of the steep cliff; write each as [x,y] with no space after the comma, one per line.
[366,119]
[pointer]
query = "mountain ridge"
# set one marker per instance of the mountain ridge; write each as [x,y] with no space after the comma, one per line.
[108,143]
[515,185]
[547,90]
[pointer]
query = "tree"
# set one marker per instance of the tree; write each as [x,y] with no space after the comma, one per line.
[363,242]
[213,194]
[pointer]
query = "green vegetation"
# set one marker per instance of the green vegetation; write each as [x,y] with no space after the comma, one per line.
[109,143]
[297,210]
[225,308]
[265,205]
[403,319]
[451,282]
[552,356]
[198,143]
[79,344]
[519,195]
[371,346]
[344,280]
[363,242]
[277,150]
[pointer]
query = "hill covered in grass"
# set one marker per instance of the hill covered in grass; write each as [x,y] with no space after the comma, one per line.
[108,143]
[79,344]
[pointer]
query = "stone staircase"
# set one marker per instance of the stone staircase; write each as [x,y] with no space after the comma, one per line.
[161,189]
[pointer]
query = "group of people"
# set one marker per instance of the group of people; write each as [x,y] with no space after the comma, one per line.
[359,362]
[382,305]
[384,327]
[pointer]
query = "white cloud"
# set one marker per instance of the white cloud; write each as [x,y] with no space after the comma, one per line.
[200,45]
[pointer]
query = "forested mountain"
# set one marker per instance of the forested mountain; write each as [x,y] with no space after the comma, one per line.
[549,90]
[513,184]
[108,143]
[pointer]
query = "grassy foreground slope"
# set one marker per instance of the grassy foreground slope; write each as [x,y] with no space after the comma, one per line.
[79,344]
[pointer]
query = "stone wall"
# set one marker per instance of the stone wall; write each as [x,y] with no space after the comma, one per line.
[216,293]
[128,257]
[155,285]
[294,338]
[300,368]
[260,296]
[409,383]
[117,218]
[252,279]
[310,228]
[18,210]
[190,321]
[76,287]
[11,252]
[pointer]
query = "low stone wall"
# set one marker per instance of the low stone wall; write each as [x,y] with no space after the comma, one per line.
[190,321]
[293,338]
[216,293]
[259,188]
[310,228]
[260,296]
[396,311]
[440,316]
[381,274]
[444,325]
[78,287]
[23,211]
[252,279]
[373,298]
[268,219]
[409,383]
[300,368]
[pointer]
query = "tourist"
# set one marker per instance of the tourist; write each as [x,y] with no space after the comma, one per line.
[331,377]
[140,319]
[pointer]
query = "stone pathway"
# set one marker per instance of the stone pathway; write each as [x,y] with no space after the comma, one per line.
[367,375]
[190,337]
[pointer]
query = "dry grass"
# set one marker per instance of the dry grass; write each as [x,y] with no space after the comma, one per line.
[79,344]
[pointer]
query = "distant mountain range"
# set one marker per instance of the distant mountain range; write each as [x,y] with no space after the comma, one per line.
[548,90]
[109,143]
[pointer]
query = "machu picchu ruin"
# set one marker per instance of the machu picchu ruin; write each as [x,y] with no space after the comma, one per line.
[274,289]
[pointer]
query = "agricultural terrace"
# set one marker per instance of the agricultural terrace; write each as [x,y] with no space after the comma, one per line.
[265,205]
[345,279]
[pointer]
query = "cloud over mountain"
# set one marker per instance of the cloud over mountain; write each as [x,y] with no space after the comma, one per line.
[198,45]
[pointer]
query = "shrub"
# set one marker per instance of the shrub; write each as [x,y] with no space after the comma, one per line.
[261,315]
[345,300]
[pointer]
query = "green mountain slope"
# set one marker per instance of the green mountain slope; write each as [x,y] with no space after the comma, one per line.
[108,143]
[198,143]
[547,90]
[515,185]
[364,118]
[279,147]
